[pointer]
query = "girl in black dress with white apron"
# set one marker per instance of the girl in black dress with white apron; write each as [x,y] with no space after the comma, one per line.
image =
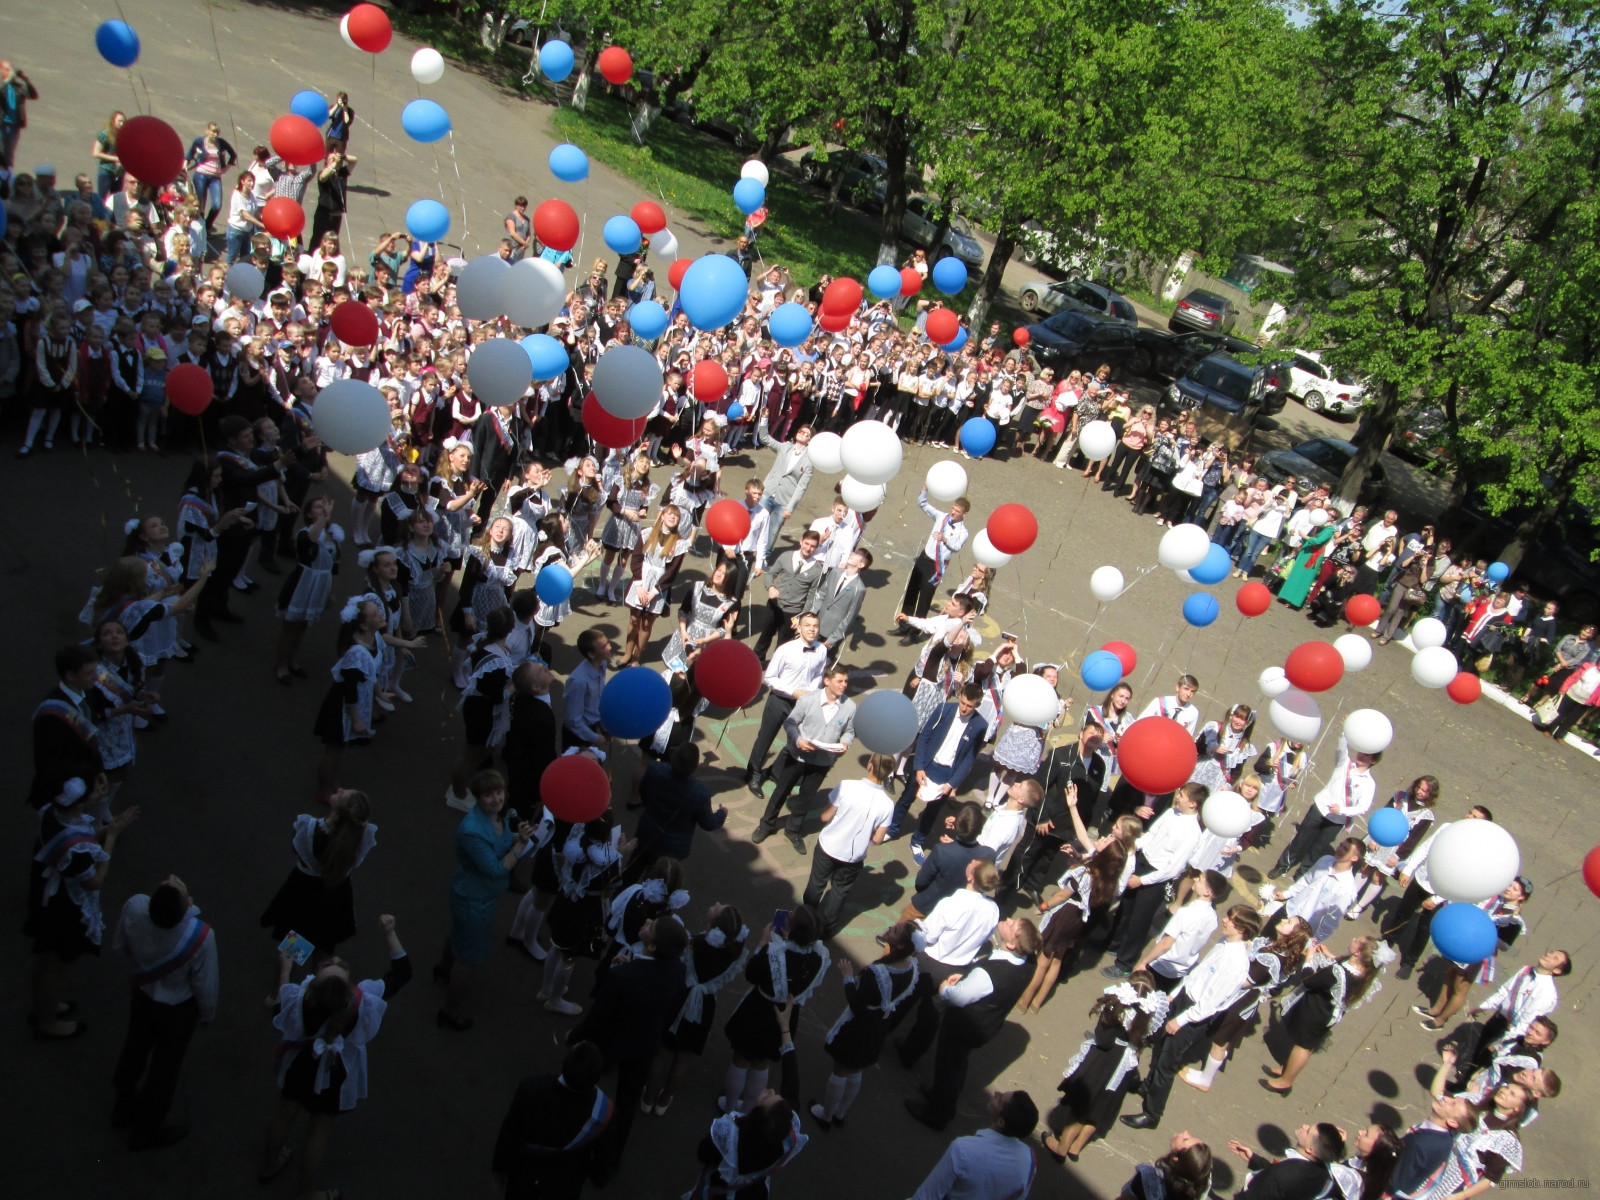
[486,585]
[485,706]
[1328,987]
[346,716]
[656,560]
[1271,963]
[382,565]
[421,567]
[305,593]
[787,966]
[712,961]
[587,863]
[629,500]
[318,900]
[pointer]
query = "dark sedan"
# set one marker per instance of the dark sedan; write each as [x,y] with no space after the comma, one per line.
[1079,341]
[1170,355]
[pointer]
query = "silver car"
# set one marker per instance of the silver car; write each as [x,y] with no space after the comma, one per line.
[917,227]
[1319,462]
[1081,296]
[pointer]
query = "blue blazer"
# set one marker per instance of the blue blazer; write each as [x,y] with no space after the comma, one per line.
[932,737]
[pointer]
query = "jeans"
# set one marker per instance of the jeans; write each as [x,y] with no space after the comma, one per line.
[1253,547]
[774,521]
[208,191]
[8,143]
[1202,505]
[238,244]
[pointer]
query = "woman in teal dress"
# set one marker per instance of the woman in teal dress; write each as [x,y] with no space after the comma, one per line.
[1297,583]
[485,853]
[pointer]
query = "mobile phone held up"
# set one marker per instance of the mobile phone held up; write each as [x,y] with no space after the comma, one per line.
[780,922]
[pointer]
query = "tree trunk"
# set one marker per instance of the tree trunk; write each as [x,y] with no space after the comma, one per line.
[1450,516]
[771,144]
[896,153]
[1530,530]
[492,33]
[1005,241]
[834,188]
[1376,431]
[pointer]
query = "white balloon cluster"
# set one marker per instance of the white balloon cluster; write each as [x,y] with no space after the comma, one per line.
[1097,440]
[532,292]
[1471,861]
[1226,814]
[499,372]
[946,481]
[1355,650]
[1368,731]
[1273,682]
[1434,667]
[886,722]
[825,453]
[1183,546]
[351,417]
[479,288]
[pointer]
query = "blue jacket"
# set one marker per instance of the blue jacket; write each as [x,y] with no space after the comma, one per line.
[945,871]
[933,735]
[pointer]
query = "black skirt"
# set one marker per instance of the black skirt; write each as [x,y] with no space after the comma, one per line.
[690,1037]
[300,1081]
[324,916]
[753,1029]
[56,927]
[1084,1095]
[542,872]
[576,926]
[329,725]
[1309,1021]
[1062,934]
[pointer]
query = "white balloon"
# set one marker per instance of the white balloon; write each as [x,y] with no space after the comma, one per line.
[871,451]
[533,293]
[627,382]
[983,550]
[1472,860]
[1273,682]
[946,481]
[1106,584]
[863,497]
[480,288]
[1368,731]
[497,375]
[1030,700]
[823,451]
[886,722]
[344,31]
[1429,631]
[1097,440]
[1355,650]
[1434,667]
[1295,715]
[1183,546]
[1319,517]
[1226,814]
[245,281]
[351,417]
[754,168]
[427,65]
[664,245]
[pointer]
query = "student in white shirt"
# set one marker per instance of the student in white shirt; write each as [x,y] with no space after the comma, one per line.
[1173,955]
[1004,827]
[1160,856]
[856,819]
[1321,896]
[1179,707]
[796,668]
[949,534]
[1349,794]
[1522,1000]
[996,1161]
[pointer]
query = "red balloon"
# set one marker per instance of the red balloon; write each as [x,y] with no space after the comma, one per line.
[355,324]
[910,282]
[835,322]
[1012,529]
[1591,865]
[1314,666]
[283,217]
[728,522]
[1125,654]
[189,388]
[647,215]
[709,381]
[843,295]
[575,788]
[1156,755]
[1021,336]
[556,225]
[942,326]
[150,150]
[612,432]
[728,673]
[676,272]
[1464,688]
[368,27]
[294,139]
[1253,599]
[1362,610]
[616,64]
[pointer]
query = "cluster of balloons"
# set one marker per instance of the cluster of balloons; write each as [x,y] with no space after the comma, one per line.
[1434,666]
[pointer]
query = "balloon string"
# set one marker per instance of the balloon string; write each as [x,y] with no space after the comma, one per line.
[461,191]
[227,94]
[147,104]
[1232,641]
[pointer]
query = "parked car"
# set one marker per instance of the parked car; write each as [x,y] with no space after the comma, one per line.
[1073,340]
[1233,387]
[857,167]
[1322,389]
[1201,309]
[1080,295]
[920,220]
[1091,257]
[1171,355]
[1319,462]
[1419,436]
[1558,566]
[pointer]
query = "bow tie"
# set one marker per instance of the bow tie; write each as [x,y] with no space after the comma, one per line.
[321,1046]
[810,648]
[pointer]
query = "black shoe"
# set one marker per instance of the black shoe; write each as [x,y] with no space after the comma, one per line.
[1405,970]
[1278,871]
[269,566]
[1114,972]
[167,1135]
[798,842]
[924,1113]
[760,835]
[753,784]
[205,629]
[1140,1120]
[460,1024]
[227,617]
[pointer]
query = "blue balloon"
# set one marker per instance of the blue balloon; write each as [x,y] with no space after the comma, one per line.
[978,436]
[749,195]
[1101,671]
[634,702]
[310,105]
[1498,572]
[622,234]
[548,356]
[958,341]
[884,282]
[428,220]
[648,319]
[713,292]
[790,324]
[1464,933]
[555,60]
[1214,568]
[735,411]
[425,120]
[950,275]
[553,583]
[1388,827]
[568,163]
[117,42]
[1200,609]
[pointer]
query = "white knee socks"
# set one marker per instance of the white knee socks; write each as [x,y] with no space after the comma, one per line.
[529,920]
[733,1087]
[556,973]
[754,1084]
[852,1088]
[35,419]
[1209,1071]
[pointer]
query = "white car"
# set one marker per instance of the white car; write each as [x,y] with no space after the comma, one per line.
[1322,389]
[917,226]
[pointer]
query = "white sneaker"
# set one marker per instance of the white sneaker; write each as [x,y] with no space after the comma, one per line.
[459,803]
[565,1007]
[386,705]
[1352,914]
[402,694]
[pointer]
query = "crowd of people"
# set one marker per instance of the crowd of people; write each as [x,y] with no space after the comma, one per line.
[1029,848]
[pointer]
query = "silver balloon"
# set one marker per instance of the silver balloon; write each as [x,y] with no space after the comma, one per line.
[480,287]
[499,372]
[533,293]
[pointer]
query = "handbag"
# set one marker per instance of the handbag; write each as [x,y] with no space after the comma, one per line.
[1416,596]
[1547,710]
[1189,481]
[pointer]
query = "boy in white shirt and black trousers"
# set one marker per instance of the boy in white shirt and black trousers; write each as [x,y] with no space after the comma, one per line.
[796,668]
[1174,954]
[1179,707]
[948,536]
[1160,856]
[1348,795]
